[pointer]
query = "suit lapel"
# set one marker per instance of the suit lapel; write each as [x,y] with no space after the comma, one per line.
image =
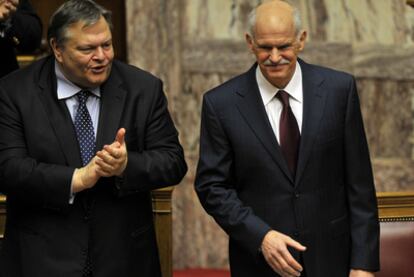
[59,118]
[112,104]
[313,105]
[251,107]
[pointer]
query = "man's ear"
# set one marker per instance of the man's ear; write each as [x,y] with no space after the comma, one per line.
[57,50]
[302,40]
[249,41]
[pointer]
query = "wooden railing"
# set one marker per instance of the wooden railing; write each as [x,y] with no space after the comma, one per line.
[2,214]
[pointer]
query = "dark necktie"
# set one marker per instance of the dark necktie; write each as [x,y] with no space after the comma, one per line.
[86,139]
[84,128]
[289,132]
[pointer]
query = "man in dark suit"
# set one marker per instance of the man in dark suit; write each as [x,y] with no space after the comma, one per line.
[20,28]
[284,166]
[80,206]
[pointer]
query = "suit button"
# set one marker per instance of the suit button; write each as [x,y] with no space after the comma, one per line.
[297,194]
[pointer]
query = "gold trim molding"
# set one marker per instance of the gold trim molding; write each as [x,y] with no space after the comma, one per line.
[396,206]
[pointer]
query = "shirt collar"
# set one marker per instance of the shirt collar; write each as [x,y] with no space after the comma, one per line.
[66,89]
[268,91]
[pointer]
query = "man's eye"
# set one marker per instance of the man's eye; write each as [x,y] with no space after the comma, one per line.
[85,50]
[267,48]
[283,47]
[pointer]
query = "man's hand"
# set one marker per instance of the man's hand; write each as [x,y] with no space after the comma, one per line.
[112,159]
[85,177]
[7,9]
[360,273]
[275,250]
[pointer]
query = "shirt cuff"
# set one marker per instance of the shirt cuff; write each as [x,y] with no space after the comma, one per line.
[72,195]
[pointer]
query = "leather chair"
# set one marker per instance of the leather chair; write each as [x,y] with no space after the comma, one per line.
[396,212]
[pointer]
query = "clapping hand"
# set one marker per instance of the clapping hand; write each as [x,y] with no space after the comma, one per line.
[7,9]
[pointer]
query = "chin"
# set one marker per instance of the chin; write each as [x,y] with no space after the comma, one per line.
[96,82]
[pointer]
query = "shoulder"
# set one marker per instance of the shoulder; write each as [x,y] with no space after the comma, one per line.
[132,74]
[29,75]
[329,74]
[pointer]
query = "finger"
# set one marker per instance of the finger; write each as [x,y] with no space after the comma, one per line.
[289,265]
[106,157]
[115,152]
[120,136]
[279,263]
[291,262]
[275,265]
[104,164]
[103,171]
[293,243]
[297,267]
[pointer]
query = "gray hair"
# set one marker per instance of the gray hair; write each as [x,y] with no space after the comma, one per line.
[73,11]
[297,20]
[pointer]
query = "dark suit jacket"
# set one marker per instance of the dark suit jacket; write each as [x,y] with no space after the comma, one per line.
[243,180]
[26,27]
[45,235]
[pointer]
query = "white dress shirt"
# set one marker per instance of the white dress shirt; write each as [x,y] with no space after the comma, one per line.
[273,106]
[67,90]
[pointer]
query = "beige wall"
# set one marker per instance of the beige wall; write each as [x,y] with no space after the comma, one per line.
[194,45]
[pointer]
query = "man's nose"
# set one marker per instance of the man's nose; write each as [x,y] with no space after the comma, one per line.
[274,54]
[99,54]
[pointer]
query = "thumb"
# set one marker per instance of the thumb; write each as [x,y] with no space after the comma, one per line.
[296,245]
[120,136]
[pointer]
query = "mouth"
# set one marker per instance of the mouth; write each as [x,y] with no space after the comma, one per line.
[275,67]
[99,69]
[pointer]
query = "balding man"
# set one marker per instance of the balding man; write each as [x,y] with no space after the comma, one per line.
[284,165]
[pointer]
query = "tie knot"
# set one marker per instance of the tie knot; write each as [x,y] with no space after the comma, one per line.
[283,96]
[83,96]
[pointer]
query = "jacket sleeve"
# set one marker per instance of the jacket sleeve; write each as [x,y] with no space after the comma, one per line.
[22,177]
[160,161]
[215,189]
[360,189]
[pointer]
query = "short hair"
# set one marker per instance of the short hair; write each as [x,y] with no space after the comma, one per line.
[297,20]
[73,11]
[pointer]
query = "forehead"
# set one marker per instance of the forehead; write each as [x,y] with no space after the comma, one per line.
[80,31]
[275,26]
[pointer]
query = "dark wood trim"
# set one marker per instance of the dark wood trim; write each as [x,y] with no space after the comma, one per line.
[411,3]
[2,214]
[162,208]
